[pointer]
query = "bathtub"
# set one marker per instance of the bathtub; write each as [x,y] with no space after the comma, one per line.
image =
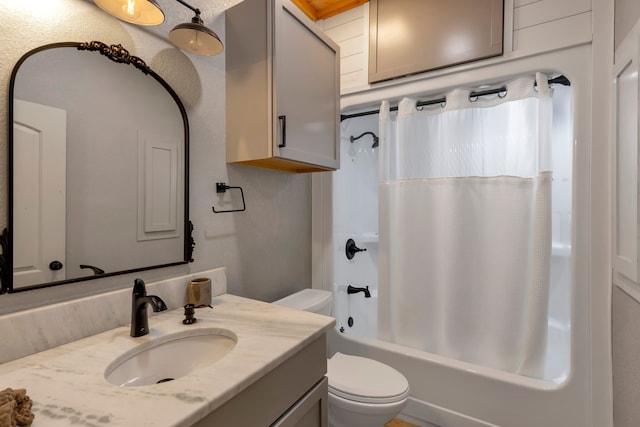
[452,393]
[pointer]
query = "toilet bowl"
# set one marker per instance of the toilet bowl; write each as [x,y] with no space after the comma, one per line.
[362,392]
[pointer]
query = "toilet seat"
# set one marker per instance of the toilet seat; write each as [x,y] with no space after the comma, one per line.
[365,380]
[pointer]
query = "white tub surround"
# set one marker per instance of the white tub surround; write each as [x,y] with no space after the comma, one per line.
[67,383]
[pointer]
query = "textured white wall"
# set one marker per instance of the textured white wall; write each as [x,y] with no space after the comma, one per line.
[265,249]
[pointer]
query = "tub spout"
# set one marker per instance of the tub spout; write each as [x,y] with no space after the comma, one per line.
[354,290]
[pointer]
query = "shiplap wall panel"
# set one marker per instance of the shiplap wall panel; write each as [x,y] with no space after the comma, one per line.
[351,31]
[353,63]
[543,11]
[518,3]
[353,80]
[563,32]
[347,31]
[352,46]
[343,18]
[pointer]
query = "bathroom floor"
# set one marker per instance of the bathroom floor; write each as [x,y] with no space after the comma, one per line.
[396,422]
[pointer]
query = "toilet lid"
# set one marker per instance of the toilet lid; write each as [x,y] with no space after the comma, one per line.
[365,380]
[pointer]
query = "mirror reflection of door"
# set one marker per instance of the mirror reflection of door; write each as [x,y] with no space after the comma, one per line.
[121,208]
[39,205]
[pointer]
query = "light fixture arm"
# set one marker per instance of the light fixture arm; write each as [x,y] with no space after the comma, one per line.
[195,10]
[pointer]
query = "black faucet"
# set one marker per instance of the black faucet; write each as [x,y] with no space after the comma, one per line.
[139,301]
[353,290]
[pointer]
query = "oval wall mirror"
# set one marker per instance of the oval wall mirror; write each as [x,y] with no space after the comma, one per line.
[98,168]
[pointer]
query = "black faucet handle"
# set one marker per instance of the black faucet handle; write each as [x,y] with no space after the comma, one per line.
[351,249]
[139,288]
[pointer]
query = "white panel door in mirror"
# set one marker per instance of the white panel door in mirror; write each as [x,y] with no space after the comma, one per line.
[39,204]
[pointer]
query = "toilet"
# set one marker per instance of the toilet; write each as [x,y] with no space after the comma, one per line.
[362,392]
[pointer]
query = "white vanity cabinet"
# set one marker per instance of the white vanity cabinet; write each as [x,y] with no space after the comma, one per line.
[282,89]
[294,394]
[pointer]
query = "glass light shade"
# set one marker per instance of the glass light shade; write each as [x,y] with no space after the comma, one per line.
[140,12]
[196,38]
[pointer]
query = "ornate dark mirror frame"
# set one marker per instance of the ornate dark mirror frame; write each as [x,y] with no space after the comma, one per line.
[117,54]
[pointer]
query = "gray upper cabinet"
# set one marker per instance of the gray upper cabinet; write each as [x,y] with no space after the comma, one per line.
[282,89]
[412,36]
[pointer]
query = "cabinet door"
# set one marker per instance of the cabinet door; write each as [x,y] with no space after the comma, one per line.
[625,141]
[310,411]
[306,89]
[412,36]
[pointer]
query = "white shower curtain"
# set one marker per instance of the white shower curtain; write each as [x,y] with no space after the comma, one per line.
[465,226]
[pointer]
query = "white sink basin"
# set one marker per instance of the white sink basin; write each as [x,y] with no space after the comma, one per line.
[169,357]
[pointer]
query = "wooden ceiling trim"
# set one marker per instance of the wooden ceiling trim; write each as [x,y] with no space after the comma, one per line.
[309,10]
[323,9]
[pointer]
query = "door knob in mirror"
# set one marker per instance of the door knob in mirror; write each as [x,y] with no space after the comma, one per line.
[55,265]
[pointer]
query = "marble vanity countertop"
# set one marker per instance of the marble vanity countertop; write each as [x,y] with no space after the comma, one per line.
[68,387]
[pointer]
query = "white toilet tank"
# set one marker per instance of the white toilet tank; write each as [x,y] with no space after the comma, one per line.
[313,300]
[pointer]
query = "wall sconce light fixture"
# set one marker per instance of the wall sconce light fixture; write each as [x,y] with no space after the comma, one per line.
[139,12]
[192,36]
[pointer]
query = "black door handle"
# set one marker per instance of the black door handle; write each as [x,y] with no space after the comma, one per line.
[55,265]
[283,121]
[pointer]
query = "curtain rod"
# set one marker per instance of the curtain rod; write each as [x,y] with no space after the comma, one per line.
[562,80]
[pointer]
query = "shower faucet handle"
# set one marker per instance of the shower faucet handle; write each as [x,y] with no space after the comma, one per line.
[351,249]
